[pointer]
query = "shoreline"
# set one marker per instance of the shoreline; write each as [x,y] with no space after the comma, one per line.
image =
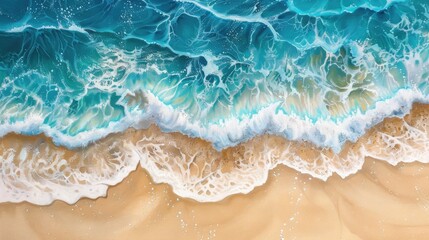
[36,170]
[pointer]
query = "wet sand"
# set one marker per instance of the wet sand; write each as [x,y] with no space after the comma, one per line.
[379,202]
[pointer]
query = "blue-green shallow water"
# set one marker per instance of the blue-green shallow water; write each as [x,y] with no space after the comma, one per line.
[225,71]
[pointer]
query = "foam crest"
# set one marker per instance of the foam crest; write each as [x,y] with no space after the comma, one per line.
[72,27]
[230,132]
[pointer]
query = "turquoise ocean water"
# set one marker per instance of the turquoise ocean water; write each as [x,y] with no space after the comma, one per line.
[303,69]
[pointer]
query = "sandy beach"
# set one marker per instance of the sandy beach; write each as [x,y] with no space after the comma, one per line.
[380,201]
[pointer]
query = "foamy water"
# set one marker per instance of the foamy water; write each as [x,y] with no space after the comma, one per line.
[35,170]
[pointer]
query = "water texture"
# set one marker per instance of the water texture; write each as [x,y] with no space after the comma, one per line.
[73,69]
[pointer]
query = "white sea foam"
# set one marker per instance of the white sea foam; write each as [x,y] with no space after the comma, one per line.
[22,28]
[40,174]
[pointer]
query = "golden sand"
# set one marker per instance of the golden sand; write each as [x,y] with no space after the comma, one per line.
[380,201]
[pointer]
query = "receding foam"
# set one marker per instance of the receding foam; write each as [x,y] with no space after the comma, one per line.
[35,170]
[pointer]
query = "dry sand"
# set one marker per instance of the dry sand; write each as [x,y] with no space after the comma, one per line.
[379,202]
